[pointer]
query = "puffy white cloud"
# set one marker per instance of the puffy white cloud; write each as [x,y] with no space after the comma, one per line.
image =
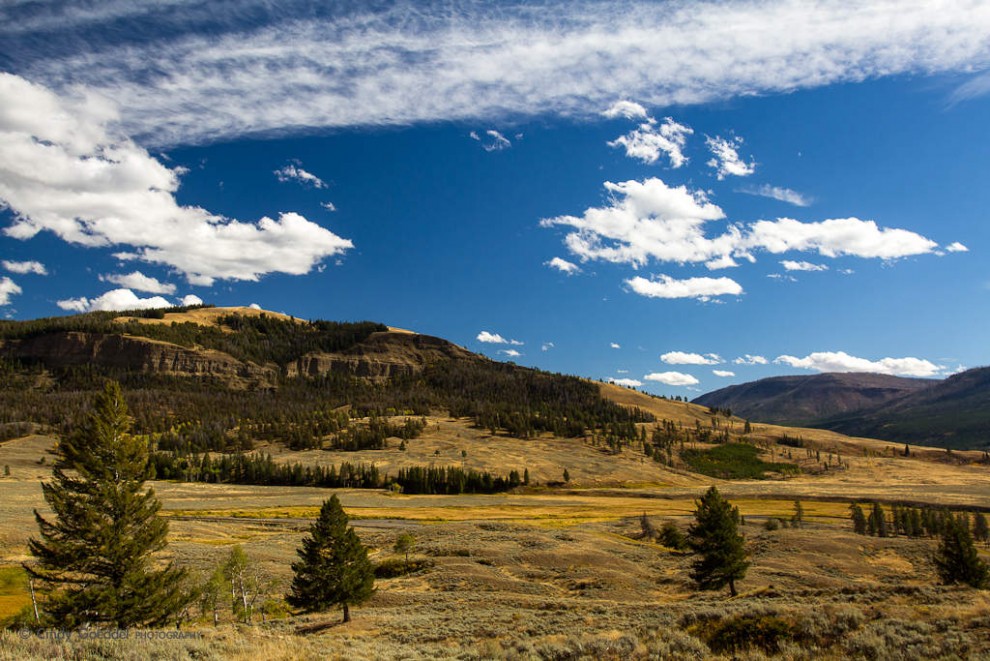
[546,346]
[955,246]
[115,299]
[723,373]
[779,193]
[564,266]
[726,159]
[614,345]
[36,268]
[491,338]
[627,109]
[700,288]
[751,360]
[63,171]
[329,206]
[294,172]
[790,265]
[8,288]
[512,353]
[191,299]
[496,142]
[840,361]
[628,383]
[139,281]
[648,220]
[651,140]
[366,64]
[683,358]
[254,306]
[672,378]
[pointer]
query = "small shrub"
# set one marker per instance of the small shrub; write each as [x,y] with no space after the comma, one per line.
[772,523]
[765,632]
[395,567]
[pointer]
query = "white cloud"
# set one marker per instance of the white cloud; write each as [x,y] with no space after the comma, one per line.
[648,220]
[682,358]
[497,141]
[627,383]
[563,266]
[782,277]
[141,282]
[790,265]
[651,140]
[726,159]
[840,361]
[723,262]
[8,288]
[546,346]
[512,353]
[191,299]
[294,172]
[115,299]
[369,64]
[329,206]
[22,268]
[61,170]
[614,345]
[254,306]
[491,338]
[700,288]
[672,378]
[723,373]
[751,360]
[779,193]
[627,109]
[955,246]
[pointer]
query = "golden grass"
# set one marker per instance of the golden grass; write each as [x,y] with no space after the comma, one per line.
[206,316]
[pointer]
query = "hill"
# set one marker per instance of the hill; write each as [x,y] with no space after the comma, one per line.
[951,413]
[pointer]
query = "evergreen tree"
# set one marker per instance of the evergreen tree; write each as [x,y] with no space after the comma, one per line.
[333,566]
[797,520]
[981,531]
[858,519]
[957,560]
[95,556]
[715,536]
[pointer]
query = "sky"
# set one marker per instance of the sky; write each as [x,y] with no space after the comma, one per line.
[675,196]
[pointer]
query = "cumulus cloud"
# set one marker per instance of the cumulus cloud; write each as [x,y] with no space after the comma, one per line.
[254,306]
[627,109]
[726,159]
[723,373]
[294,172]
[751,360]
[62,170]
[23,268]
[614,345]
[496,141]
[512,353]
[683,358]
[651,140]
[955,246]
[840,361]
[495,338]
[703,289]
[116,299]
[141,282]
[212,74]
[672,378]
[628,383]
[648,220]
[564,266]
[790,265]
[8,288]
[779,193]
[191,299]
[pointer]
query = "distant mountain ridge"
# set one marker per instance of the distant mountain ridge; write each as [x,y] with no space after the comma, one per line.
[951,413]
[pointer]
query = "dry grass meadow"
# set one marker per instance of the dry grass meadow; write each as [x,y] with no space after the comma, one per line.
[562,572]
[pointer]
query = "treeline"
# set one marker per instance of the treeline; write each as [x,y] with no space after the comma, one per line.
[263,470]
[906,521]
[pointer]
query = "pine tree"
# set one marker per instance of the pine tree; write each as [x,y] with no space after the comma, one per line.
[797,520]
[95,556]
[333,567]
[981,531]
[715,536]
[957,560]
[858,519]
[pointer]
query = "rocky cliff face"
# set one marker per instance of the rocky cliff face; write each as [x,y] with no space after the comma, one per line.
[381,356]
[139,354]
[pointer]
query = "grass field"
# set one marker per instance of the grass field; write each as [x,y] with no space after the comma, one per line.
[559,572]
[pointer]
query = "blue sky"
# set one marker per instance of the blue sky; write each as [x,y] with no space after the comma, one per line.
[678,196]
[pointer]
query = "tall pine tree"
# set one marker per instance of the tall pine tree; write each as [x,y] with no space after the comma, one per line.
[715,536]
[957,560]
[95,557]
[333,567]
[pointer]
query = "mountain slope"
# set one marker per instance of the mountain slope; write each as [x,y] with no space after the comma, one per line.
[806,399]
